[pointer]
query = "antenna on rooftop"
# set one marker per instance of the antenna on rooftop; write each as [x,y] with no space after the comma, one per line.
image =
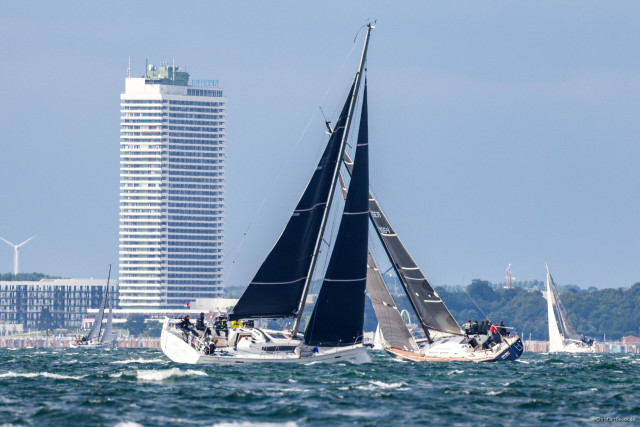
[173,68]
[15,251]
[129,67]
[509,278]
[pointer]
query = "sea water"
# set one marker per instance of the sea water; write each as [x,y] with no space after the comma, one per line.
[40,386]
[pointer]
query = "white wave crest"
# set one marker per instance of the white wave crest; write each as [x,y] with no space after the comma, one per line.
[140,360]
[128,424]
[375,385]
[254,424]
[163,374]
[40,374]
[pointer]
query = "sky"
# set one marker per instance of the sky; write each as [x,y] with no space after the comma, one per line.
[500,132]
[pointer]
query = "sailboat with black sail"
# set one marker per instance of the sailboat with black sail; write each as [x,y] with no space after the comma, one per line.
[445,340]
[563,339]
[280,287]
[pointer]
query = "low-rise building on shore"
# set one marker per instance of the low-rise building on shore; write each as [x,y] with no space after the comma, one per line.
[51,303]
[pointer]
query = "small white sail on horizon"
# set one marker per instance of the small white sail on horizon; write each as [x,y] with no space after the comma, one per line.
[567,340]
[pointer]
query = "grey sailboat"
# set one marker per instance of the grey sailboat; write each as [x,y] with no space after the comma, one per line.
[99,337]
[445,340]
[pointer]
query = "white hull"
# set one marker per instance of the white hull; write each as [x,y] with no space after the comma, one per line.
[250,349]
[91,345]
[573,347]
[450,349]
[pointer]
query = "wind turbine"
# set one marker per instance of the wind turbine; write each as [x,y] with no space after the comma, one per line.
[15,251]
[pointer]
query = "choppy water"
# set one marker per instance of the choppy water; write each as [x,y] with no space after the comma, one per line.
[141,386]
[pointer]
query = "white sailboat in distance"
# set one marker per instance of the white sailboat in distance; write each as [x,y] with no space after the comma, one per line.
[566,340]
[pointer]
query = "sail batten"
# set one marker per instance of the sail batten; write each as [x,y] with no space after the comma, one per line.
[277,288]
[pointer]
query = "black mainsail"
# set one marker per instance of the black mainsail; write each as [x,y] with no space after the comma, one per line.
[429,308]
[277,287]
[280,286]
[338,316]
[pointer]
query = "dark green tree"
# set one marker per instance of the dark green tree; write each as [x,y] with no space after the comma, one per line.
[135,324]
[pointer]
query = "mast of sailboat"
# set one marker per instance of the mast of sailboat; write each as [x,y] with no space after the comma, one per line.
[352,104]
[106,297]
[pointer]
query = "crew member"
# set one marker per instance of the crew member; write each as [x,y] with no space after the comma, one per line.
[474,328]
[503,330]
[482,329]
[200,323]
[467,327]
[494,333]
[186,325]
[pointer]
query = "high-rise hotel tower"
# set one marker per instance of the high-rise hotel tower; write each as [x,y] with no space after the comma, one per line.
[171,189]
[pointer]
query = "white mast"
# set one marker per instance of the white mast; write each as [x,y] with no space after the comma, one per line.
[352,105]
[16,248]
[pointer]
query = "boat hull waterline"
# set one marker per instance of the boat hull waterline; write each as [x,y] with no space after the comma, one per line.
[175,347]
[509,349]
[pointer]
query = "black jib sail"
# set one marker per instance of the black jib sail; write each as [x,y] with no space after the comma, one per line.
[429,308]
[568,331]
[389,318]
[338,316]
[277,287]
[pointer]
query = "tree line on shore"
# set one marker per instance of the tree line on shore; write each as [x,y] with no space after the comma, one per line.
[597,313]
[613,313]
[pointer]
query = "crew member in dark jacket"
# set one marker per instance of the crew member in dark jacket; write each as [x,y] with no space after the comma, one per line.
[200,323]
[482,329]
[186,325]
[474,328]
[503,330]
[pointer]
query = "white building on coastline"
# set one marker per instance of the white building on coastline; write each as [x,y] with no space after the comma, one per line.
[172,148]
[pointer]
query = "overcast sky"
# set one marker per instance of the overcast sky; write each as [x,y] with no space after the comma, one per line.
[501,132]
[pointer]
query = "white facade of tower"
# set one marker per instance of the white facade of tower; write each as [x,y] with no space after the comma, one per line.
[171,190]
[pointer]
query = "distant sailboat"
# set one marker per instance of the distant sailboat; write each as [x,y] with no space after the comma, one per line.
[445,341]
[567,340]
[98,337]
[279,289]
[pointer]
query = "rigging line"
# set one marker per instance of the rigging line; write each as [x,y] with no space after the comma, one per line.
[477,306]
[284,165]
[346,58]
[271,188]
